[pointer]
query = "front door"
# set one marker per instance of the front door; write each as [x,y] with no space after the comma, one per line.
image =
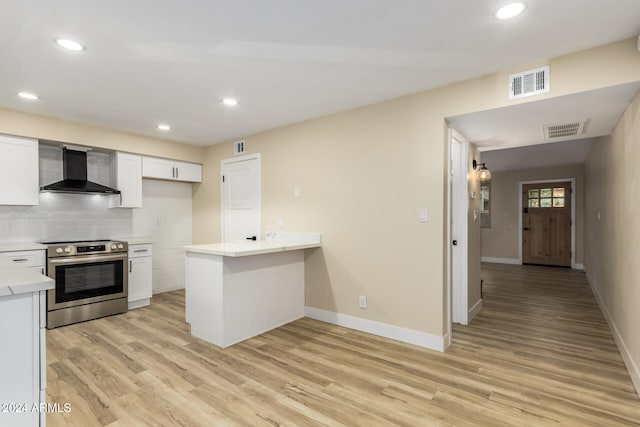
[241,197]
[546,224]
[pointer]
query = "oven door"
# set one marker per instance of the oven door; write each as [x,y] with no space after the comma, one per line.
[87,279]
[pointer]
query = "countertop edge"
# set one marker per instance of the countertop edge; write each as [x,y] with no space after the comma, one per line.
[45,284]
[250,252]
[25,246]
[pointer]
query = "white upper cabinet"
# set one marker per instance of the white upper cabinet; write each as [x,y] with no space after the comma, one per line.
[126,176]
[19,182]
[190,172]
[173,170]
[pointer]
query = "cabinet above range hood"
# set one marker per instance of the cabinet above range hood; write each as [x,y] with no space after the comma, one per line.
[74,167]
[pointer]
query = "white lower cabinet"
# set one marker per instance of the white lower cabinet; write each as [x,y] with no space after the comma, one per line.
[35,260]
[23,360]
[140,275]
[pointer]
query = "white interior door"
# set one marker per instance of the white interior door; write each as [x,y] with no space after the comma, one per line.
[459,230]
[241,198]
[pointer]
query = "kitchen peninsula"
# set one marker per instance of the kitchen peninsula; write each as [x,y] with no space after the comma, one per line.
[237,290]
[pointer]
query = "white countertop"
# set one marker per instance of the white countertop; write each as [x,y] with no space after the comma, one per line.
[275,242]
[138,241]
[15,280]
[13,247]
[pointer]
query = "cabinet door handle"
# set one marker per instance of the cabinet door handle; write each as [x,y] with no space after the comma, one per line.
[130,266]
[20,259]
[42,269]
[140,250]
[173,172]
[177,172]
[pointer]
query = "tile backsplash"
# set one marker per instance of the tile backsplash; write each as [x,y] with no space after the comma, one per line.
[64,217]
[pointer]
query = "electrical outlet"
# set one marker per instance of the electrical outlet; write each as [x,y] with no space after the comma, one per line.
[362,301]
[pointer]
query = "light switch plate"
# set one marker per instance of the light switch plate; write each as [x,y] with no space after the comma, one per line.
[296,191]
[362,301]
[422,214]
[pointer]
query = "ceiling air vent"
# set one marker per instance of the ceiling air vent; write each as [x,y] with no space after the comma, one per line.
[238,147]
[528,83]
[564,131]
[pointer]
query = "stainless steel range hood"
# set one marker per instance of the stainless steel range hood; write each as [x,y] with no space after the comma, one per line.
[74,166]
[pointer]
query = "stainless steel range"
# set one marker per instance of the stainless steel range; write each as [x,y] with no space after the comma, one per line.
[91,280]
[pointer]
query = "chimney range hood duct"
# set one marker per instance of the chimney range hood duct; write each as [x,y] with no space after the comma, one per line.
[74,165]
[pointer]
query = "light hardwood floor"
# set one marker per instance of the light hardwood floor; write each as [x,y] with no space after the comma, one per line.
[539,353]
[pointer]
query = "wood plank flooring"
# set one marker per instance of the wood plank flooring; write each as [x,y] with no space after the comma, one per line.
[539,353]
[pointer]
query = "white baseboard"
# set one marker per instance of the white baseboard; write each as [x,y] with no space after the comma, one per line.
[631,365]
[579,267]
[513,261]
[475,310]
[410,336]
[171,289]
[139,303]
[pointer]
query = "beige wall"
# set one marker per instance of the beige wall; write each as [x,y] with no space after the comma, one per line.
[613,232]
[359,174]
[502,239]
[364,173]
[39,127]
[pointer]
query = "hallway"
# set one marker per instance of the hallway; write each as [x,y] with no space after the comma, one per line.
[543,339]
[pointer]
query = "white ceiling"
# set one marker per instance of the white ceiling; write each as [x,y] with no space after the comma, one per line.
[522,124]
[538,156]
[163,61]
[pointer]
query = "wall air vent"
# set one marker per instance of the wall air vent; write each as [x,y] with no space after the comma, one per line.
[528,83]
[564,131]
[238,147]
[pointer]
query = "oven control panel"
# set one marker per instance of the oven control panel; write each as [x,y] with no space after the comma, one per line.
[86,248]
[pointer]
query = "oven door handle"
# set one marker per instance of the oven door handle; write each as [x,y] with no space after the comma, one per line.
[87,259]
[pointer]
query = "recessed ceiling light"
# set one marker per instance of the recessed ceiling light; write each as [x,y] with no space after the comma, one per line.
[69,44]
[164,127]
[510,10]
[229,101]
[27,95]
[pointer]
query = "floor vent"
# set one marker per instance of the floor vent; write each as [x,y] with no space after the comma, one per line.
[567,130]
[528,83]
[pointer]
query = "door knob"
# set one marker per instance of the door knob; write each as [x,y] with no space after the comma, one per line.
[455,243]
[526,229]
[252,238]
